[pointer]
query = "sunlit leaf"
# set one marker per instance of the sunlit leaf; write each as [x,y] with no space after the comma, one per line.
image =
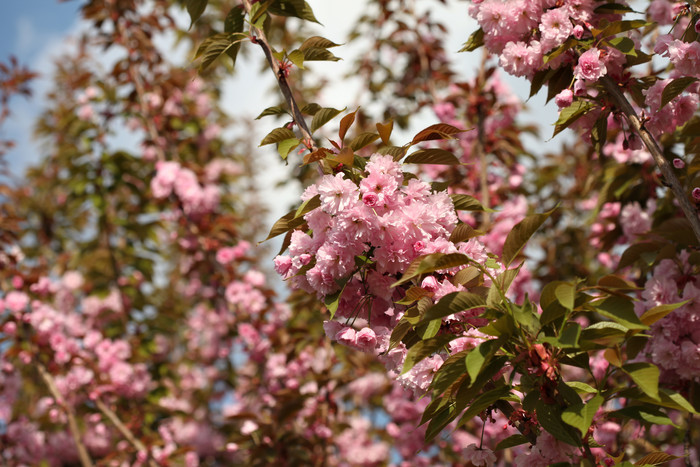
[322,117]
[675,88]
[521,233]
[646,375]
[580,416]
[432,156]
[277,135]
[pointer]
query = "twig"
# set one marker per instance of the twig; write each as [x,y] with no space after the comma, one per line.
[85,460]
[124,430]
[507,410]
[688,209]
[298,118]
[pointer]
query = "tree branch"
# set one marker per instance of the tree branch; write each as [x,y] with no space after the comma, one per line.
[124,430]
[85,460]
[261,39]
[688,209]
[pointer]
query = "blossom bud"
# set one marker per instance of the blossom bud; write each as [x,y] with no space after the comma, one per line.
[678,163]
[430,283]
[696,194]
[578,31]
[564,98]
[697,26]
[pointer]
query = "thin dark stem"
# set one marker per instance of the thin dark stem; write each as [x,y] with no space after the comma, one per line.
[638,126]
[123,429]
[83,455]
[507,410]
[261,40]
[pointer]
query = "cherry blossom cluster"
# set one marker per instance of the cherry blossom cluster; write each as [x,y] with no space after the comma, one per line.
[675,340]
[364,235]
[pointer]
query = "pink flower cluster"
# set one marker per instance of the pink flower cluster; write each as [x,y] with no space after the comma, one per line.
[196,199]
[675,342]
[521,32]
[677,112]
[363,235]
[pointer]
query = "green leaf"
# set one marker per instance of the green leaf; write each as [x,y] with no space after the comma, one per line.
[453,303]
[317,54]
[479,355]
[297,58]
[217,45]
[399,332]
[566,294]
[569,43]
[656,458]
[322,117]
[448,373]
[432,156]
[468,203]
[483,402]
[295,8]
[599,133]
[613,8]
[464,232]
[620,310]
[570,114]
[235,19]
[293,218]
[568,339]
[580,416]
[646,376]
[550,417]
[332,301]
[475,41]
[310,109]
[317,42]
[521,233]
[195,8]
[604,333]
[502,285]
[656,313]
[644,413]
[286,146]
[551,308]
[617,27]
[675,88]
[423,349]
[277,135]
[276,110]
[431,263]
[624,45]
[363,139]
[581,388]
[436,132]
[511,441]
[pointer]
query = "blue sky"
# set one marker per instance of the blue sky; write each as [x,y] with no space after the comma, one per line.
[34,31]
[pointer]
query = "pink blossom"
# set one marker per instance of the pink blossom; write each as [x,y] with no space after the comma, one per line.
[479,456]
[564,98]
[16,301]
[590,66]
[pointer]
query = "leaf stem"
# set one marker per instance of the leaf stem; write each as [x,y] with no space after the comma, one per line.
[688,209]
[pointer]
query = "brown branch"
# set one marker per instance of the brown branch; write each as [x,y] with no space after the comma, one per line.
[124,430]
[83,455]
[688,209]
[261,39]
